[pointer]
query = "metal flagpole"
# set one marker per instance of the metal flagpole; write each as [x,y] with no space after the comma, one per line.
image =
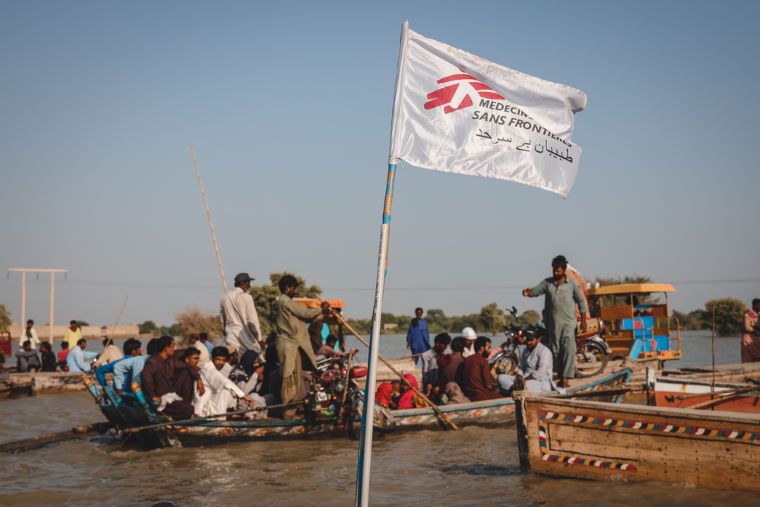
[210,221]
[365,443]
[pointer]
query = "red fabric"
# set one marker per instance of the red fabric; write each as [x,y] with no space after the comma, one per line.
[407,399]
[383,394]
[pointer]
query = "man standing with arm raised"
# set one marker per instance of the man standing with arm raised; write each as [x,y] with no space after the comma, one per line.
[293,344]
[561,296]
[239,318]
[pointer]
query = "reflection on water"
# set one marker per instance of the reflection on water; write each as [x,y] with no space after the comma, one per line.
[470,467]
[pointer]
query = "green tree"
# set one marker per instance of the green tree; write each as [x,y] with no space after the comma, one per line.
[147,327]
[265,295]
[193,321]
[438,322]
[529,317]
[728,314]
[492,318]
[173,330]
[5,318]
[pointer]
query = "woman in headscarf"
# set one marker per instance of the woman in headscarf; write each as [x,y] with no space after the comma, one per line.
[383,394]
[245,375]
[409,396]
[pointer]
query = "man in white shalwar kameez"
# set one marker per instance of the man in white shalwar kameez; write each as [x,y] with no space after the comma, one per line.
[242,331]
[535,366]
[220,393]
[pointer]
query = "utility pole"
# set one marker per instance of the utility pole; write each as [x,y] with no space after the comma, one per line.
[52,272]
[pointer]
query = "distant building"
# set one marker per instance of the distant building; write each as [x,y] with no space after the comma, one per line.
[390,326]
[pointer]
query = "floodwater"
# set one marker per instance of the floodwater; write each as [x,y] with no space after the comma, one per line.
[473,466]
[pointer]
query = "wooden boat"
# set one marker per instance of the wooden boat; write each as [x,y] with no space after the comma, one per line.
[130,411]
[673,392]
[599,440]
[43,382]
[731,373]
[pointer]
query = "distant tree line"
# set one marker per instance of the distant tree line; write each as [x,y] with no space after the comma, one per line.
[491,319]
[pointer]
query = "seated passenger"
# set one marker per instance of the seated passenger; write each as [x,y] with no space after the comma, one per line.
[328,349]
[79,359]
[409,398]
[429,364]
[477,381]
[388,394]
[47,357]
[454,394]
[205,357]
[62,354]
[27,359]
[220,393]
[131,348]
[247,373]
[127,371]
[536,366]
[5,375]
[163,385]
[110,353]
[450,365]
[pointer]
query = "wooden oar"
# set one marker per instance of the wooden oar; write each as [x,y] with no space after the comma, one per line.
[29,444]
[446,421]
[192,422]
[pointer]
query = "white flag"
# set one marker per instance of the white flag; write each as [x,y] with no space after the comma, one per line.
[457,112]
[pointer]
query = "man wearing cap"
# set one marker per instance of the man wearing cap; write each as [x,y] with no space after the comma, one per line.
[239,318]
[561,295]
[469,336]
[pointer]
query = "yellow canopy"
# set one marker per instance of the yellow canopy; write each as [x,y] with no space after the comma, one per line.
[631,288]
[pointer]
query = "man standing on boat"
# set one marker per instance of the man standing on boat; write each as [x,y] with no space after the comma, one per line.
[418,336]
[292,343]
[751,335]
[73,334]
[561,295]
[239,318]
[29,334]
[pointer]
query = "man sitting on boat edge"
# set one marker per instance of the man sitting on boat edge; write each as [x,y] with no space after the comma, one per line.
[163,384]
[477,381]
[220,394]
[536,366]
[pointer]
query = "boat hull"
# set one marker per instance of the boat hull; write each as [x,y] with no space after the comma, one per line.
[597,440]
[480,413]
[685,394]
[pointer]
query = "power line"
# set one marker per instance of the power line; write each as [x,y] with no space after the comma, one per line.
[363,289]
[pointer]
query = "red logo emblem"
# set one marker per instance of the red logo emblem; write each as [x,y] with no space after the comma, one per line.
[458,95]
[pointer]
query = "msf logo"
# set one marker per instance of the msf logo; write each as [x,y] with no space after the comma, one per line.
[459,94]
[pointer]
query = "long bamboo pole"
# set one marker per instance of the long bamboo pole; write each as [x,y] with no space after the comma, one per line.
[444,419]
[210,221]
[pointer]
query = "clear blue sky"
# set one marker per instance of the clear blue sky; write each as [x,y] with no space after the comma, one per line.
[289,110]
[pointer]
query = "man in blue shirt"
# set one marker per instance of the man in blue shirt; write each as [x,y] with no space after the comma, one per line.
[132,348]
[128,371]
[79,359]
[418,337]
